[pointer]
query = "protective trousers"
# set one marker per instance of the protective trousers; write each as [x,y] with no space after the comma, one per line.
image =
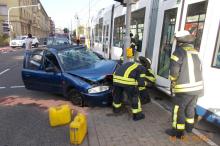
[133,95]
[144,96]
[184,112]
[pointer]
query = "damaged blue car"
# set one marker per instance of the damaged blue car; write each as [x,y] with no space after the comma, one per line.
[79,74]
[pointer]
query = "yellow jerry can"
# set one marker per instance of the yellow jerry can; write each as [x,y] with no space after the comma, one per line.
[129,52]
[78,129]
[59,115]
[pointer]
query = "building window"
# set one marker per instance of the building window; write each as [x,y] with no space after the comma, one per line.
[216,57]
[5,27]
[166,43]
[3,10]
[195,21]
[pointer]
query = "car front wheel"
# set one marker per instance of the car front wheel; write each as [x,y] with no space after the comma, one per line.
[36,45]
[75,97]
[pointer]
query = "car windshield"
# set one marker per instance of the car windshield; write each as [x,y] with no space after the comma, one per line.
[72,59]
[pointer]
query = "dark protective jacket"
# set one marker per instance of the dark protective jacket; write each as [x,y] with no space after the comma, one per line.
[186,71]
[130,74]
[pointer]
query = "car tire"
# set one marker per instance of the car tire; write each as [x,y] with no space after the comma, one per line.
[76,98]
[36,45]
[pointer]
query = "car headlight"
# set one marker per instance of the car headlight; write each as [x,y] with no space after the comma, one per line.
[98,89]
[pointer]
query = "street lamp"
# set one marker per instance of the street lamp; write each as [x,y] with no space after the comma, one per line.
[18,7]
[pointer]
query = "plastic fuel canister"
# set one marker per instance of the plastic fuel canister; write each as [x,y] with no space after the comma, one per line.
[78,129]
[59,115]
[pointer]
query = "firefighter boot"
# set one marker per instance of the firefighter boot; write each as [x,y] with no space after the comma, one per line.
[175,133]
[116,110]
[189,127]
[138,116]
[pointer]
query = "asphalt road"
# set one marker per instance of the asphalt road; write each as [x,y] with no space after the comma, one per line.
[23,111]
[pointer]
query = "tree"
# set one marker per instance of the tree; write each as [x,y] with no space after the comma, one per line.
[66,30]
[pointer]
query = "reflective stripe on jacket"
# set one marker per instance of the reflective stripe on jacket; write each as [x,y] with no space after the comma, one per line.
[186,71]
[128,74]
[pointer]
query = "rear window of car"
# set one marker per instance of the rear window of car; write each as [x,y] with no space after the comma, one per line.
[72,59]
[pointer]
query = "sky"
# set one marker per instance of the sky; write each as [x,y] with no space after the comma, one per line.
[63,12]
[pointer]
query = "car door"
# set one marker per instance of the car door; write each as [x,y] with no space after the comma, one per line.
[32,69]
[51,76]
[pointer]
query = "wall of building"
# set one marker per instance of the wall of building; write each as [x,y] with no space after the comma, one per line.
[27,20]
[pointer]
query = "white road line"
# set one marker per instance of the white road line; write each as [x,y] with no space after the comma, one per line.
[17,87]
[2,87]
[4,71]
[195,131]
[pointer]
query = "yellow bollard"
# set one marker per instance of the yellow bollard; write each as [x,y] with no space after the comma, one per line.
[60,115]
[78,129]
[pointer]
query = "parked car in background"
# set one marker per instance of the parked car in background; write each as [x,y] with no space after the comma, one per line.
[73,71]
[19,41]
[53,41]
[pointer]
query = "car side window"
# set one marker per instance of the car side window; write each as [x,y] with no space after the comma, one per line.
[50,60]
[35,60]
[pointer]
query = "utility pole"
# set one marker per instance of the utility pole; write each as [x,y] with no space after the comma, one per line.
[127,38]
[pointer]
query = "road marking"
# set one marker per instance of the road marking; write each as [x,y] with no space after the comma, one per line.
[4,71]
[195,131]
[2,87]
[17,87]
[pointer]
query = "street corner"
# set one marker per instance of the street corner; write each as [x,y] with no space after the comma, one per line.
[43,104]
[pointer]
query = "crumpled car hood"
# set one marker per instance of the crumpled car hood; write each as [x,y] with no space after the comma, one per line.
[97,71]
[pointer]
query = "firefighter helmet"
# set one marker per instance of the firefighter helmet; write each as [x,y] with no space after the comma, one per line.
[146,62]
[184,37]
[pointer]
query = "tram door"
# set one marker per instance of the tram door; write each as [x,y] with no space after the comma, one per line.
[167,24]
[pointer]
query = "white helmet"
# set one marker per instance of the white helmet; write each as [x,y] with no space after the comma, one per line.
[182,33]
[184,37]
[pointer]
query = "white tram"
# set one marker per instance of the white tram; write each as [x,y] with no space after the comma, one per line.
[153,25]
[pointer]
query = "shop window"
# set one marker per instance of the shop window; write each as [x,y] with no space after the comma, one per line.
[195,21]
[166,43]
[216,57]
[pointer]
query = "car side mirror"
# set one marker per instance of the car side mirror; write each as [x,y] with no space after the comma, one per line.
[51,69]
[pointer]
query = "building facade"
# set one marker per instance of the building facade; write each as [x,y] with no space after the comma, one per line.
[24,20]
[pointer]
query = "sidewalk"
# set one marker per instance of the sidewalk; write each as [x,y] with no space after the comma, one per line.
[108,130]
[24,121]
[6,49]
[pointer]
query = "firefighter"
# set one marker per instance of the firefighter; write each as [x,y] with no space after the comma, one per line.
[127,78]
[150,77]
[186,84]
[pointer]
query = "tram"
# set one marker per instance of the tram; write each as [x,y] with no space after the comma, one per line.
[153,24]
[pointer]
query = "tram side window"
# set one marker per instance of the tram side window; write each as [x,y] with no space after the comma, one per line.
[166,43]
[96,33]
[195,21]
[118,31]
[137,27]
[100,29]
[216,59]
